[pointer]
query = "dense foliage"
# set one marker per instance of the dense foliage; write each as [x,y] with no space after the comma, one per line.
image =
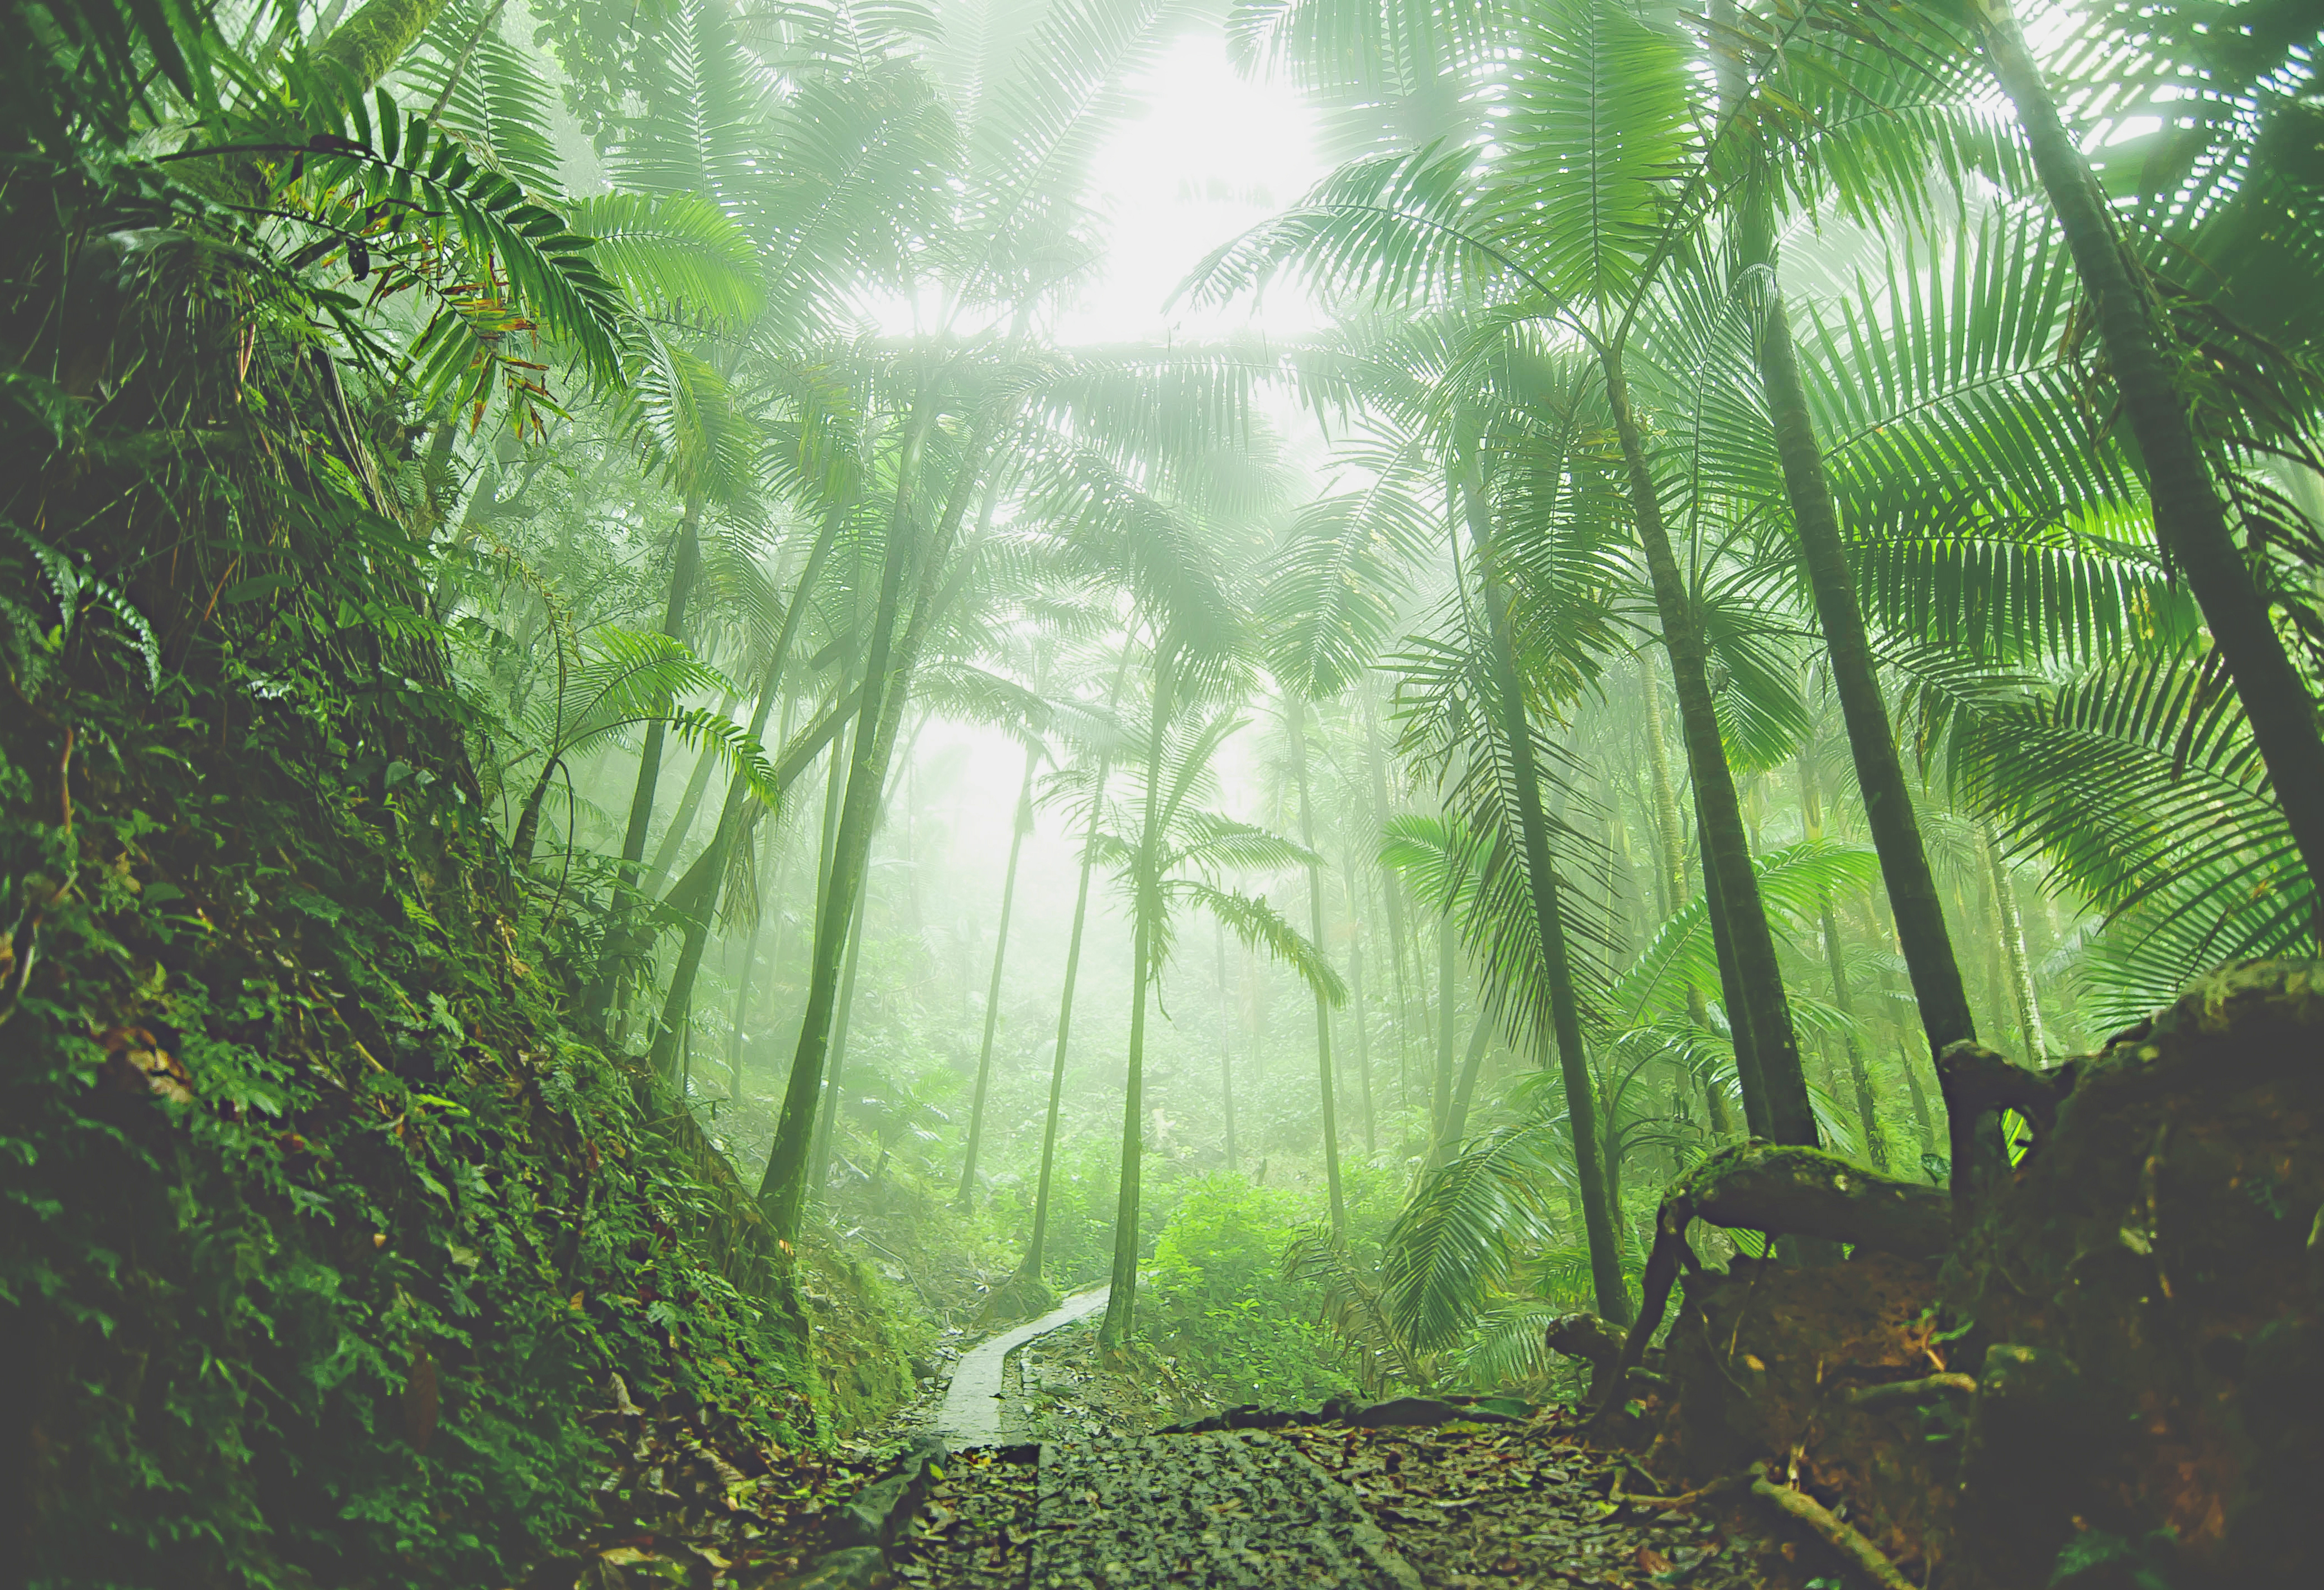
[606,693]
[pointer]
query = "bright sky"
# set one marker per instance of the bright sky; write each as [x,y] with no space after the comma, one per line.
[1213,155]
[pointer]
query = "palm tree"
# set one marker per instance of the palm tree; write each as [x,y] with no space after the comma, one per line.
[1166,860]
[2190,522]
[1025,149]
[1027,1280]
[1296,726]
[1020,824]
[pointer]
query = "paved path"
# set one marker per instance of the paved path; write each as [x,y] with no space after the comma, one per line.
[970,1415]
[1237,1510]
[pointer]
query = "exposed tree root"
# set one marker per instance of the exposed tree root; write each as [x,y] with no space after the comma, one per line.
[1781,1191]
[1960,1386]
[1860,1552]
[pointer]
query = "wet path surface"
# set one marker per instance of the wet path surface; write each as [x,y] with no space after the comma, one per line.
[971,1414]
[1462,1506]
[1225,1509]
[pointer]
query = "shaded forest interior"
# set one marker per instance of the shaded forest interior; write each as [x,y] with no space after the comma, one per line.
[1585,734]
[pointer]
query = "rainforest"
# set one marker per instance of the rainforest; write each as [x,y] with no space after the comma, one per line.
[1083,794]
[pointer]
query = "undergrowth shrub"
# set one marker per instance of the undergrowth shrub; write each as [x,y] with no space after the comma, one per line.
[1220,1305]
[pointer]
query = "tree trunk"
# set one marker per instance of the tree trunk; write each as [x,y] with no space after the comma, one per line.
[685,571]
[2013,948]
[1671,850]
[1121,1301]
[1298,723]
[826,1125]
[770,904]
[1030,1270]
[1613,1295]
[887,679]
[1440,1107]
[2190,522]
[370,42]
[1734,887]
[1023,825]
[1464,1090]
[694,898]
[1356,1000]
[1746,1065]
[1226,1046]
[681,821]
[1391,899]
[1876,1147]
[731,824]
[1879,771]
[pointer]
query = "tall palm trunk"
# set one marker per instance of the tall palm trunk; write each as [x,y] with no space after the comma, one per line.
[1904,870]
[1121,1301]
[1356,1001]
[1030,1270]
[1730,882]
[2188,520]
[1322,1006]
[1022,824]
[1440,1100]
[1391,899]
[1463,1091]
[1671,851]
[681,821]
[834,1082]
[887,679]
[730,827]
[1876,1146]
[2013,948]
[1613,1295]
[770,894]
[1226,1045]
[685,571]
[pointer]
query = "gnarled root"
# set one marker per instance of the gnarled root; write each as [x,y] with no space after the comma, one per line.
[1781,1191]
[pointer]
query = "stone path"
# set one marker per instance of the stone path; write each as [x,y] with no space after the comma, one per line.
[1460,1507]
[971,1414]
[1248,1510]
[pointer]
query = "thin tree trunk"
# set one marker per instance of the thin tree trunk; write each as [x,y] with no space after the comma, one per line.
[1612,1294]
[1030,1270]
[1226,1046]
[1872,743]
[2190,523]
[731,825]
[1440,1108]
[1299,714]
[681,822]
[1356,999]
[770,892]
[826,1124]
[887,679]
[694,898]
[1747,1066]
[1725,850]
[1920,1097]
[1876,1147]
[1022,824]
[1391,899]
[2012,947]
[1671,852]
[684,572]
[1464,1090]
[1121,1301]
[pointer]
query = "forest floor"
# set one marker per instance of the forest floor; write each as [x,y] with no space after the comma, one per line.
[1089,1490]
[1090,1499]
